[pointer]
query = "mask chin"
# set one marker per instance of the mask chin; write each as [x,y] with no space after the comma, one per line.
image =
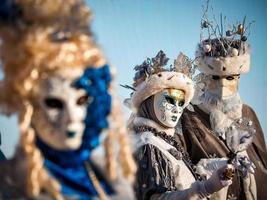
[55,134]
[166,113]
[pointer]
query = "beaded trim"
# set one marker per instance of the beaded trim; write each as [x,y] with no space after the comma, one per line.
[178,151]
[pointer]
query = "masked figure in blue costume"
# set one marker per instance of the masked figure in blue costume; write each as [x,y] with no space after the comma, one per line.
[57,81]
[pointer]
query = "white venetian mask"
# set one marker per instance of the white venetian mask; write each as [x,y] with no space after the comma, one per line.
[168,106]
[61,110]
[223,86]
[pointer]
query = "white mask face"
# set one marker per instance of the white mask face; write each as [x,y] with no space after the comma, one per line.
[168,106]
[223,86]
[61,110]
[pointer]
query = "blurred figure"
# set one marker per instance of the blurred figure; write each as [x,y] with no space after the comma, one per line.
[72,141]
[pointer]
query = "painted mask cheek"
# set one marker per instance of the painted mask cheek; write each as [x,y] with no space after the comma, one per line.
[180,109]
[165,105]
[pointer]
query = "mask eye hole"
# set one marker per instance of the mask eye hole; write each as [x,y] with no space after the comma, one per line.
[82,100]
[170,100]
[215,77]
[53,103]
[230,78]
[181,103]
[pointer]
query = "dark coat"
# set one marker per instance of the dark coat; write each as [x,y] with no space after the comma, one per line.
[154,174]
[201,142]
[2,156]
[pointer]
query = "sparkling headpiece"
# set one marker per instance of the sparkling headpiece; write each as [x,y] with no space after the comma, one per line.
[150,67]
[153,76]
[184,64]
[222,40]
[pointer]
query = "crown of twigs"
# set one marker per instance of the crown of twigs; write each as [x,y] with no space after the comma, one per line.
[222,39]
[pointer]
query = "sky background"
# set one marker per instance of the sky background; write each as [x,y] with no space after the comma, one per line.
[131,30]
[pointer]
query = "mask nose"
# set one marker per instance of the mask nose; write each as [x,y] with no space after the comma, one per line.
[175,110]
[69,117]
[223,82]
[74,113]
[223,92]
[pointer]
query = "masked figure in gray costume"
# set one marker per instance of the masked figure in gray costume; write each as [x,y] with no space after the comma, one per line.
[164,168]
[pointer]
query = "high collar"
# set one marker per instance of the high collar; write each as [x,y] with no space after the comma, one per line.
[141,121]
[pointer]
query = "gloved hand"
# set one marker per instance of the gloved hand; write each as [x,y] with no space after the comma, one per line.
[219,179]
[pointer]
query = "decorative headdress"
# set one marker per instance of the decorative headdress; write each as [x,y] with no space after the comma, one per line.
[39,37]
[224,51]
[152,76]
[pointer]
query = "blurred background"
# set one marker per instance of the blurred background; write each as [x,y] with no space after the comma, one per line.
[131,30]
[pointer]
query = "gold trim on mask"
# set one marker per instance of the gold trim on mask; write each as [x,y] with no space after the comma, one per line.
[178,95]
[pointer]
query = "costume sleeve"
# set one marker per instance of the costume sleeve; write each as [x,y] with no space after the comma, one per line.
[154,174]
[258,141]
[155,178]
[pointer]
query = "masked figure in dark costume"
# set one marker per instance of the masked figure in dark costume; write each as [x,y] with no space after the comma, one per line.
[219,123]
[164,169]
[58,82]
